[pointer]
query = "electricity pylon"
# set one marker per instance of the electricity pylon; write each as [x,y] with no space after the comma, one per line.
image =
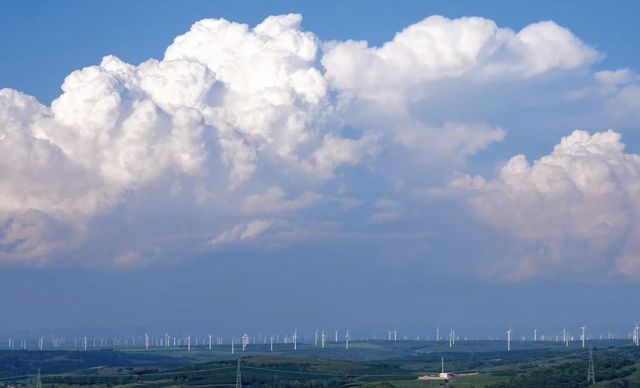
[238,377]
[591,375]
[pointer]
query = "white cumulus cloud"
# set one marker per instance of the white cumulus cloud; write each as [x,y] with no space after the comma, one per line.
[438,47]
[238,122]
[574,209]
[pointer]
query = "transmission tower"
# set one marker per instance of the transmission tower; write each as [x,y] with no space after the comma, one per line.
[39,380]
[238,377]
[591,375]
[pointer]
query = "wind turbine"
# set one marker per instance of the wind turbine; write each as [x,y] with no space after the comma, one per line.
[295,339]
[245,341]
[584,334]
[322,339]
[315,339]
[210,344]
[535,335]
[509,340]
[188,343]
[272,342]
[346,340]
[146,341]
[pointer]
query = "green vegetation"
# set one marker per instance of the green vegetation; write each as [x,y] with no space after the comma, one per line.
[614,367]
[368,364]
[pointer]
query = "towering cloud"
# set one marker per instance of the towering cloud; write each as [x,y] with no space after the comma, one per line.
[576,208]
[224,93]
[236,123]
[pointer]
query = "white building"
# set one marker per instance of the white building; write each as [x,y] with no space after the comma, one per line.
[441,376]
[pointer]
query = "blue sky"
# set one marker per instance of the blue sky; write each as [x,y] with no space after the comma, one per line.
[36,33]
[288,175]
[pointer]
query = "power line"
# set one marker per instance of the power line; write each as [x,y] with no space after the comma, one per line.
[141,375]
[328,374]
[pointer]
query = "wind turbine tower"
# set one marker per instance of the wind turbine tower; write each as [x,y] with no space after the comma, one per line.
[146,342]
[509,340]
[322,339]
[210,344]
[315,339]
[535,335]
[245,341]
[346,340]
[584,335]
[295,339]
[438,334]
